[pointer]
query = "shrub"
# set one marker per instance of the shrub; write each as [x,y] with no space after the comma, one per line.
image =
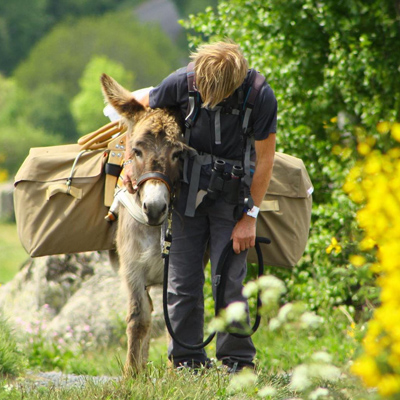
[12,360]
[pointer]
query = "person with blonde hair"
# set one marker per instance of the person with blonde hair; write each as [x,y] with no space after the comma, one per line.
[214,112]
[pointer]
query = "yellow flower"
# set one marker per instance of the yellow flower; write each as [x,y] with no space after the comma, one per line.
[396,131]
[389,385]
[363,148]
[3,175]
[357,261]
[383,127]
[366,368]
[367,243]
[351,330]
[334,246]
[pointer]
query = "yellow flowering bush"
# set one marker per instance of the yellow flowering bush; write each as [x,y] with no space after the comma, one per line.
[375,183]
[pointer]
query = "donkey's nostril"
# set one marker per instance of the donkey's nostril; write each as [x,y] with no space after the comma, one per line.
[164,208]
[145,206]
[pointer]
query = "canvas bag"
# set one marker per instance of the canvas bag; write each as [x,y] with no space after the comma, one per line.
[285,213]
[51,221]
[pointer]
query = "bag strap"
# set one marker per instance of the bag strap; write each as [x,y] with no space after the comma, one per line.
[255,83]
[194,97]
[100,138]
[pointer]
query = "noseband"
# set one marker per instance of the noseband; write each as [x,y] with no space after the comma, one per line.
[159,176]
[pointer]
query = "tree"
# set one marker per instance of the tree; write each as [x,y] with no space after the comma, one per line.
[321,59]
[18,133]
[87,106]
[186,7]
[48,109]
[333,65]
[142,49]
[22,22]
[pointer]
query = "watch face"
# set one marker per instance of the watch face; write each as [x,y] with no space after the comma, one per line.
[253,212]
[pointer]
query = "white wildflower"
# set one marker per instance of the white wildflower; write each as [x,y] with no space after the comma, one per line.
[317,393]
[235,312]
[250,289]
[310,320]
[322,357]
[328,372]
[216,325]
[267,282]
[284,312]
[267,391]
[242,380]
[8,388]
[271,289]
[300,379]
[274,324]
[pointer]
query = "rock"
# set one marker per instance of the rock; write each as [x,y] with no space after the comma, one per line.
[77,297]
[6,201]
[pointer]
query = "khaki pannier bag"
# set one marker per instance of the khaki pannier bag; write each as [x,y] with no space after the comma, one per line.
[285,213]
[59,201]
[62,194]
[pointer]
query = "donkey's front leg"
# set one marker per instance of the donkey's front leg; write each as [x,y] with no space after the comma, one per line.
[138,330]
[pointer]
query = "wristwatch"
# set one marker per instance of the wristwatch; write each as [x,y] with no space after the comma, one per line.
[253,212]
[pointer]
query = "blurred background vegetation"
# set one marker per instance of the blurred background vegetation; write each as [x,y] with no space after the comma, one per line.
[333,64]
[52,54]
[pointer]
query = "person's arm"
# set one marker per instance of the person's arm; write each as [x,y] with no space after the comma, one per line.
[244,232]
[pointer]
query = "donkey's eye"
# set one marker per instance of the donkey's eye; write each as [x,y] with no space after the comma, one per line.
[176,154]
[137,152]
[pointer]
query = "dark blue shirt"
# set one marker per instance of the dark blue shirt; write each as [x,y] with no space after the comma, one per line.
[173,92]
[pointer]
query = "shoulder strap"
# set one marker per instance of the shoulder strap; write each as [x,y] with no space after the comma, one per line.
[193,102]
[256,81]
[192,110]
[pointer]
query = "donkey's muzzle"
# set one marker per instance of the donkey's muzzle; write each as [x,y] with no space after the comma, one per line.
[155,211]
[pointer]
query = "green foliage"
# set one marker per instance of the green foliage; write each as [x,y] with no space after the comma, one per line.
[22,22]
[60,9]
[320,59]
[87,106]
[146,51]
[12,361]
[30,120]
[17,139]
[12,254]
[334,71]
[48,108]
[186,7]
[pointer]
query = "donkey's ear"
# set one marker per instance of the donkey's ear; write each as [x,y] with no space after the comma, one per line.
[120,98]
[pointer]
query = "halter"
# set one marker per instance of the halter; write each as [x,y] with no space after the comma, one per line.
[121,195]
[155,175]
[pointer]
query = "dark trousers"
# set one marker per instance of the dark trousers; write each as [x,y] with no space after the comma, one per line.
[211,225]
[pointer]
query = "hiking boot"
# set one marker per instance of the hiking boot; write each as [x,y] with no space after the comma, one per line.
[192,365]
[236,367]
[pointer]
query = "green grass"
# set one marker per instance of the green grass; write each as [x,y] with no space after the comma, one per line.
[12,361]
[12,254]
[279,353]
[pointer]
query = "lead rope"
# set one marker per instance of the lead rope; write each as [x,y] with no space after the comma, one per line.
[220,282]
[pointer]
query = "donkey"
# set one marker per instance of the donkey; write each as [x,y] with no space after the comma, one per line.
[154,147]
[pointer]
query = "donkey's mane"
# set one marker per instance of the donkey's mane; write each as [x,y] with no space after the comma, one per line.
[162,121]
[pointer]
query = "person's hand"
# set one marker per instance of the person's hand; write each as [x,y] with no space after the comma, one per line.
[244,234]
[128,182]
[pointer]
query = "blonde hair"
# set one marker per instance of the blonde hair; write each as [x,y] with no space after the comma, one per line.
[220,68]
